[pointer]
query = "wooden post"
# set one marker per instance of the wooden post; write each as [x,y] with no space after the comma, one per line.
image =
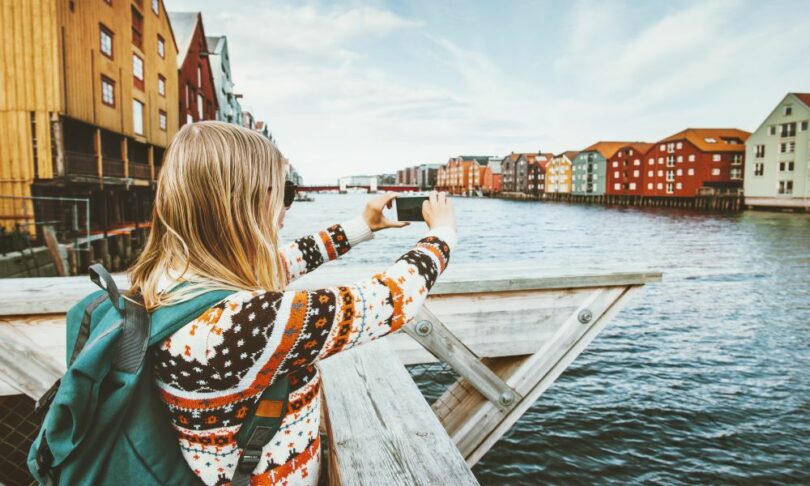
[150,154]
[49,236]
[125,155]
[99,157]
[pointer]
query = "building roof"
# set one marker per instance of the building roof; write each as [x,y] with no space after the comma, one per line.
[495,166]
[183,26]
[215,43]
[712,139]
[607,149]
[641,147]
[569,154]
[804,97]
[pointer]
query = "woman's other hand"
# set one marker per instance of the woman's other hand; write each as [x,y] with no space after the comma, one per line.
[438,211]
[373,213]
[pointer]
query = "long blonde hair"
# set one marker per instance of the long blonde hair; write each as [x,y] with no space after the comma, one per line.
[213,219]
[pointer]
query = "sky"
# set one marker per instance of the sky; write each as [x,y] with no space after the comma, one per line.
[352,88]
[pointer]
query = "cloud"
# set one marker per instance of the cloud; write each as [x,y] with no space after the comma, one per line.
[359,89]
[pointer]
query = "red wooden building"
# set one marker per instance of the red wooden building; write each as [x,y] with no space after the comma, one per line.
[198,99]
[695,161]
[625,170]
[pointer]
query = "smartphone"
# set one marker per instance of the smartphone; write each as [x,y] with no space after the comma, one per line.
[409,208]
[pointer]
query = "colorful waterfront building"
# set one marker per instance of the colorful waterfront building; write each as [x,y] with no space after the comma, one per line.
[589,168]
[558,173]
[491,180]
[533,182]
[696,161]
[508,166]
[625,170]
[198,98]
[426,176]
[88,108]
[464,173]
[228,109]
[777,169]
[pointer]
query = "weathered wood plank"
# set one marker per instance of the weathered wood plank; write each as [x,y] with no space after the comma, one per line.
[57,294]
[475,424]
[23,366]
[381,430]
[429,331]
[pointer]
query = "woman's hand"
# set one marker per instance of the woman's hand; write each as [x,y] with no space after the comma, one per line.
[438,211]
[373,213]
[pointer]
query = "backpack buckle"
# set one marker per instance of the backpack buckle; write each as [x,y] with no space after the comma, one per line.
[249,460]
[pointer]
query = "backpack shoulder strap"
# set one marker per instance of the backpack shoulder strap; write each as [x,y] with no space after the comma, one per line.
[262,424]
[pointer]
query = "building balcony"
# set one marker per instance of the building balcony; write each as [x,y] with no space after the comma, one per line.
[112,167]
[80,163]
[139,171]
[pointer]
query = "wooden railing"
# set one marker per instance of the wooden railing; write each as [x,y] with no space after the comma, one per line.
[508,331]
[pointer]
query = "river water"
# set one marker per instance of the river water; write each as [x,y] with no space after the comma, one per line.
[704,377]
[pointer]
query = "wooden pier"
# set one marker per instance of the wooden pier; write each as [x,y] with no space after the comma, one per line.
[508,331]
[730,201]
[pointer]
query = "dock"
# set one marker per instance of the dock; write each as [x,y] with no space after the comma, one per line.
[507,330]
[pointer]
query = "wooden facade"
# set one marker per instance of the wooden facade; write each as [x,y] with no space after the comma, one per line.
[197,92]
[695,161]
[88,99]
[625,170]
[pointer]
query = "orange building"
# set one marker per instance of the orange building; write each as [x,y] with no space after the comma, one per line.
[492,178]
[89,106]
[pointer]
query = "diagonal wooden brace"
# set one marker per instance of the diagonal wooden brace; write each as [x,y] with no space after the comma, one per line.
[429,331]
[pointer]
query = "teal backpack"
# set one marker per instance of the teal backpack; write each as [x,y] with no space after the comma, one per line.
[103,421]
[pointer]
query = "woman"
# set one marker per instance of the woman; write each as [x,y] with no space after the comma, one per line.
[218,210]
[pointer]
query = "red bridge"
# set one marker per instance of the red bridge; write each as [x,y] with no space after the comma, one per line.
[397,188]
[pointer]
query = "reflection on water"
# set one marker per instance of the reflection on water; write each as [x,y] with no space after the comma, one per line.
[704,377]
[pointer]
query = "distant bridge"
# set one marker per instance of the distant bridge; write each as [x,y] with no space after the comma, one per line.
[367,187]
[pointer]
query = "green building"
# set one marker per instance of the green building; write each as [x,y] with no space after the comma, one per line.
[777,157]
[589,168]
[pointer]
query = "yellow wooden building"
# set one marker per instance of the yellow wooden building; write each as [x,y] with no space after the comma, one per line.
[88,103]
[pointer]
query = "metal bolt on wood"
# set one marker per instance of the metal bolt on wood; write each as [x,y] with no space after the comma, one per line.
[506,398]
[423,328]
[585,316]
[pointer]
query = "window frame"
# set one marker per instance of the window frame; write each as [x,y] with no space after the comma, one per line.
[135,102]
[163,120]
[161,83]
[161,46]
[111,82]
[138,82]
[103,29]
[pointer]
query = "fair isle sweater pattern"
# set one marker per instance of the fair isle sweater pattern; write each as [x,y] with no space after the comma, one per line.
[213,370]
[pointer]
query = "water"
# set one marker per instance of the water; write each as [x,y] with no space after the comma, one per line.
[704,377]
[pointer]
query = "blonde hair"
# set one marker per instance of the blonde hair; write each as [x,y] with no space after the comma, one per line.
[213,220]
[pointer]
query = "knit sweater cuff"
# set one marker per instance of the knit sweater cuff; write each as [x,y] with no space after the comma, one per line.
[357,231]
[447,234]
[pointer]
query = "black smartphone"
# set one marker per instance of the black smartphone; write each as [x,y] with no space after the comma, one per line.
[409,208]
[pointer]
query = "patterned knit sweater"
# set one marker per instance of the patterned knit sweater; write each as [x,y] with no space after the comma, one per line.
[210,372]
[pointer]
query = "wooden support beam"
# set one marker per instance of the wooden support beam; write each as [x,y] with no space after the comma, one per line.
[436,338]
[380,429]
[49,235]
[99,156]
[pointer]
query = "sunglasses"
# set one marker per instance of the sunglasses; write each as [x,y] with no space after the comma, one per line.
[290,188]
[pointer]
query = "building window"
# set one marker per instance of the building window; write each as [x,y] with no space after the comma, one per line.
[632,186]
[759,169]
[649,185]
[680,159]
[617,186]
[616,174]
[615,163]
[659,186]
[788,110]
[690,172]
[692,158]
[635,173]
[670,175]
[662,147]
[161,85]
[161,47]
[200,112]
[804,126]
[716,157]
[107,91]
[678,186]
[660,160]
[710,140]
[660,173]
[679,172]
[188,118]
[650,174]
[137,117]
[670,161]
[105,41]
[760,151]
[786,166]
[156,6]
[715,172]
[137,28]
[787,148]
[137,71]
[772,130]
[651,161]
[788,130]
[637,162]
[679,145]
[162,120]
[199,76]
[785,187]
